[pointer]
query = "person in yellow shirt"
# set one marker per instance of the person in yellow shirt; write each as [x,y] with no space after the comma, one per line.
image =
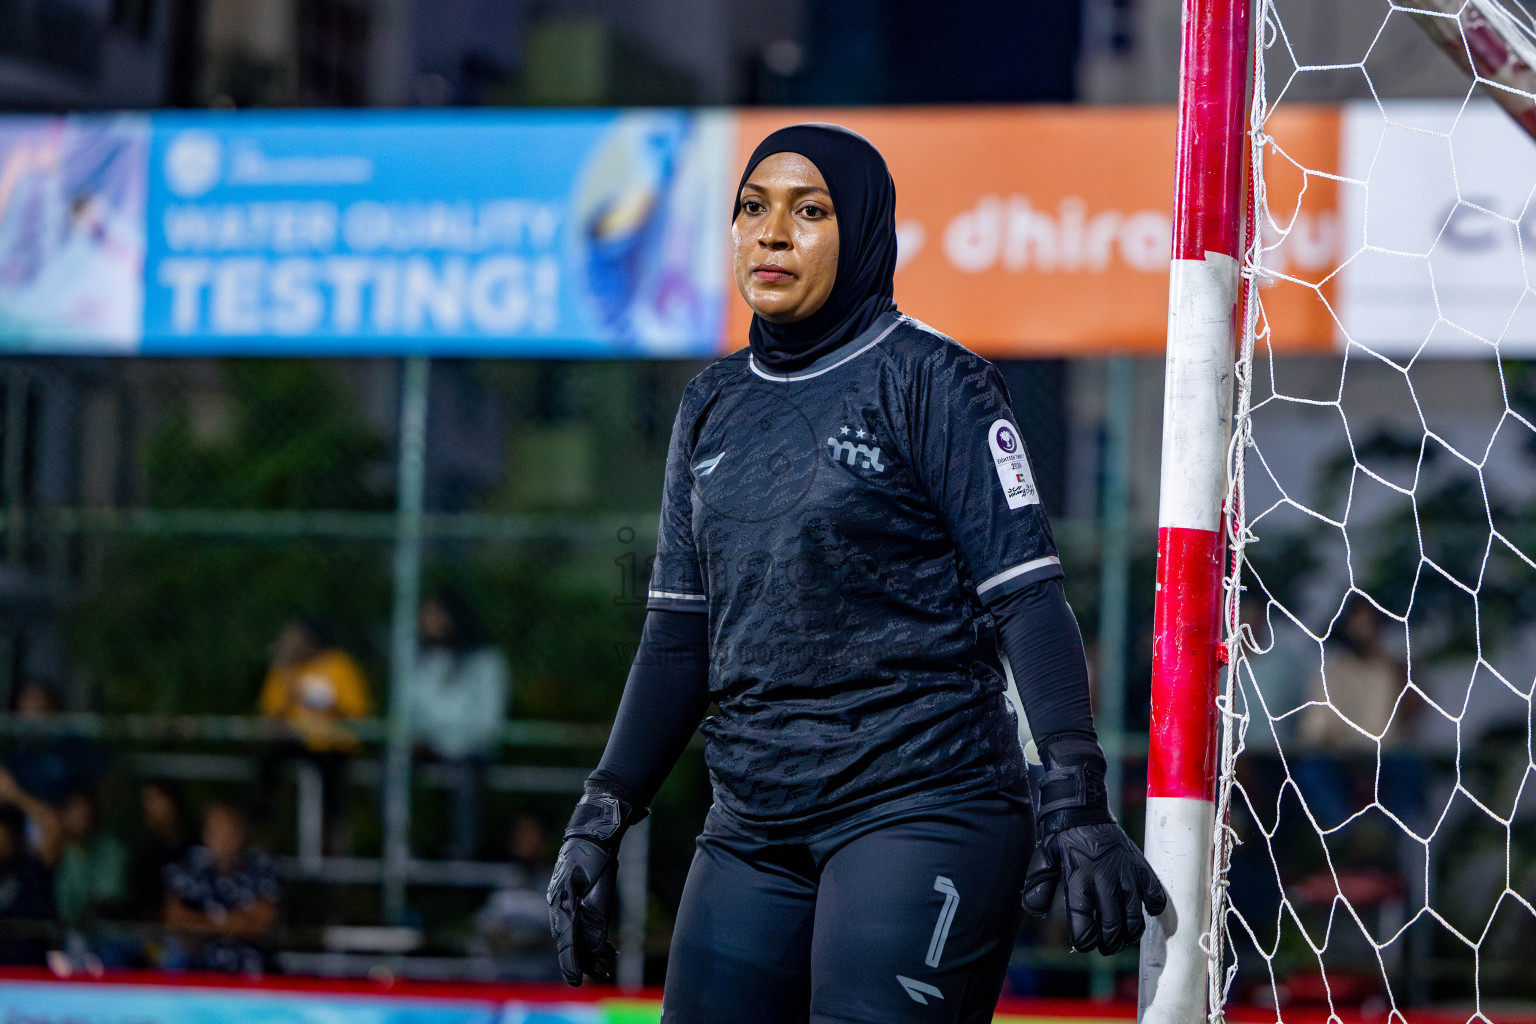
[315,688]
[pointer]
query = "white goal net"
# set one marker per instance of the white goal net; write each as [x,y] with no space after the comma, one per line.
[1376,815]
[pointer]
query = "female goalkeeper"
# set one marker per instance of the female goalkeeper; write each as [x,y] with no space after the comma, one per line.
[851,542]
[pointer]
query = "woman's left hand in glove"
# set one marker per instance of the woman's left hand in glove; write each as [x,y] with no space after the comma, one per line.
[1105,875]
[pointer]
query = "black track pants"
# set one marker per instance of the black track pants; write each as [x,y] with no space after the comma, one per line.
[911,919]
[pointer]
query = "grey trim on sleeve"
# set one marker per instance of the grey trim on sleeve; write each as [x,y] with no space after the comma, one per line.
[1019,577]
[675,601]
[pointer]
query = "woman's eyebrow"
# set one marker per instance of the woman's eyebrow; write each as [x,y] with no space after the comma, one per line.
[796,191]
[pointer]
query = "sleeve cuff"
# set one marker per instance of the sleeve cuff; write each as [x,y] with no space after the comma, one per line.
[996,587]
[676,601]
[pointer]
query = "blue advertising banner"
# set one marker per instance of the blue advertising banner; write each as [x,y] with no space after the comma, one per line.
[596,233]
[96,1003]
[141,1004]
[573,234]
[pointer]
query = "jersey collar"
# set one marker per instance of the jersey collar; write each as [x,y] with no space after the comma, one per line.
[856,346]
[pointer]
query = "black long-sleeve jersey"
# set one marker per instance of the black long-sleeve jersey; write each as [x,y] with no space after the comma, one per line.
[844,527]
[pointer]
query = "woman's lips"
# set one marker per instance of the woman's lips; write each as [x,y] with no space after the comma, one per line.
[771,272]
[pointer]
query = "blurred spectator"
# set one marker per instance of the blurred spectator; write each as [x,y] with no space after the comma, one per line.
[459,698]
[1281,666]
[40,822]
[162,843]
[315,687]
[92,867]
[29,848]
[1356,698]
[513,926]
[50,763]
[26,893]
[221,899]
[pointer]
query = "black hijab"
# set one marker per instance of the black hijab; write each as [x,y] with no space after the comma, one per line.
[864,202]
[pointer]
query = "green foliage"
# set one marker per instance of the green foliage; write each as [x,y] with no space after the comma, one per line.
[293,442]
[1449,526]
[182,623]
[569,640]
[1282,563]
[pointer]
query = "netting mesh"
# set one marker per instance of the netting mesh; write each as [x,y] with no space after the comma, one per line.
[1376,838]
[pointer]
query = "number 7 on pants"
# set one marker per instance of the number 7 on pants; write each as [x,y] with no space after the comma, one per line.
[946,918]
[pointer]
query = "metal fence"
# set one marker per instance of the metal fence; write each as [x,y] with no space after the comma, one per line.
[160,519]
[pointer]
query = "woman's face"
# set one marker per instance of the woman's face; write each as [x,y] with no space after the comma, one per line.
[77,818]
[160,812]
[433,622]
[784,239]
[294,645]
[35,701]
[224,833]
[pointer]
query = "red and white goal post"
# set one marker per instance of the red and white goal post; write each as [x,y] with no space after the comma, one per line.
[1214,317]
[1202,338]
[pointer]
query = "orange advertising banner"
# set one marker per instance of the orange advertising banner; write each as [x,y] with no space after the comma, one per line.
[1045,231]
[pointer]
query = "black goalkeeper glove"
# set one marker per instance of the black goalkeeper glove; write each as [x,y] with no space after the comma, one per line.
[581,891]
[1078,841]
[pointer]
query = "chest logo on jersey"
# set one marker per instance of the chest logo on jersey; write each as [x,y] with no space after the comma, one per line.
[857,449]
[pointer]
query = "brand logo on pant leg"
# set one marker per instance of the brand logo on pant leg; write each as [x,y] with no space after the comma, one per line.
[919,990]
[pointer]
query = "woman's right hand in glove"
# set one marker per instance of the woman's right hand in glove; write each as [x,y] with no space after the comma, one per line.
[581,891]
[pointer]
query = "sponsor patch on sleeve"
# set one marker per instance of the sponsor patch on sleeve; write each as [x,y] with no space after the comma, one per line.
[1012,465]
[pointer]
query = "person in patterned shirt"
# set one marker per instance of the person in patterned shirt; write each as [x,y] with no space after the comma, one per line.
[851,548]
[221,899]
